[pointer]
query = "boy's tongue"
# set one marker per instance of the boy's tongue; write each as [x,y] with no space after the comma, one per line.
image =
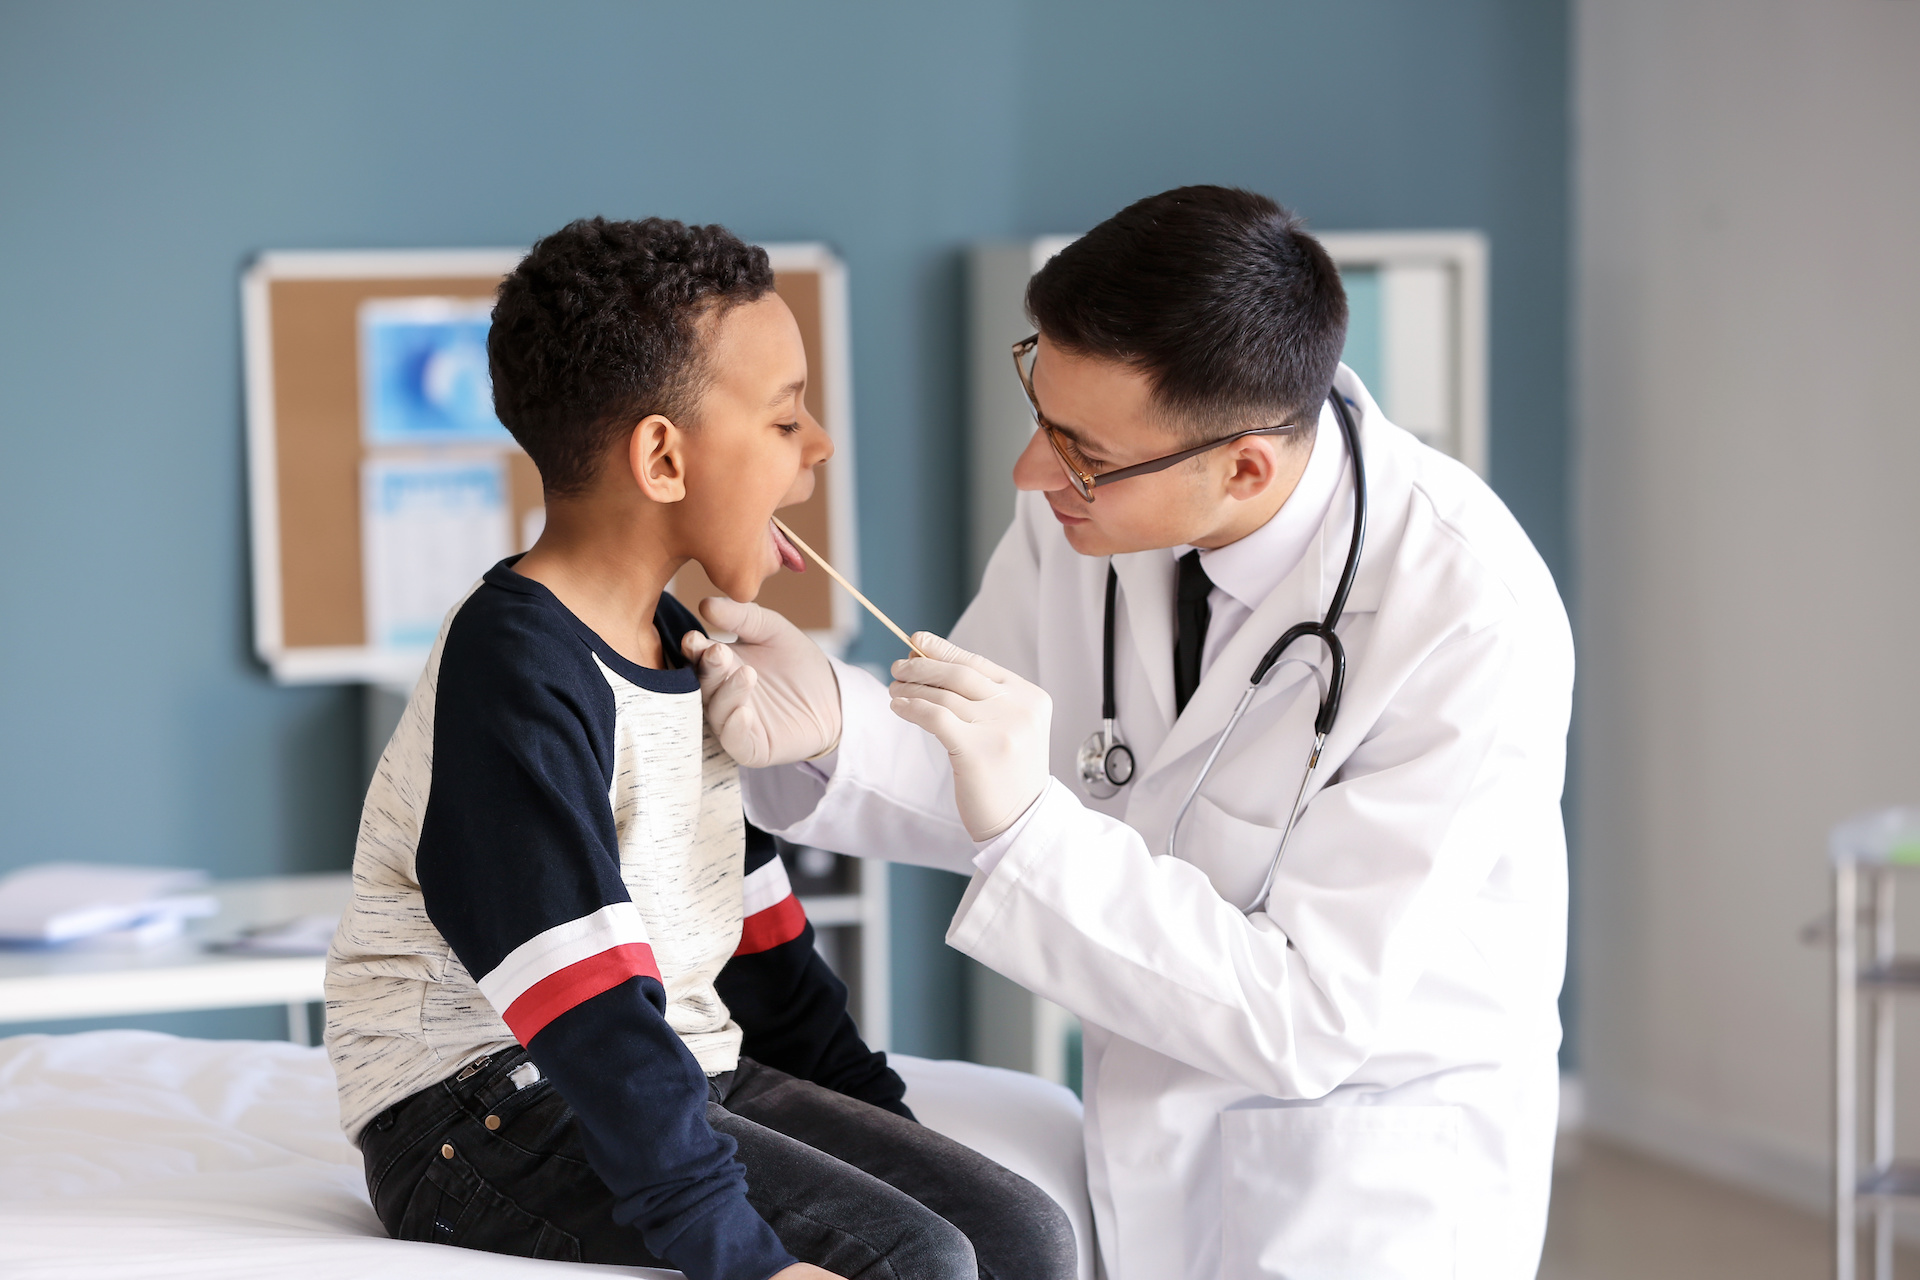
[789,554]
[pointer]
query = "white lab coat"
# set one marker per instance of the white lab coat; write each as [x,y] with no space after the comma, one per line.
[1360,1079]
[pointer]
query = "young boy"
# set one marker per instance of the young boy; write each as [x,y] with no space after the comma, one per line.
[563,936]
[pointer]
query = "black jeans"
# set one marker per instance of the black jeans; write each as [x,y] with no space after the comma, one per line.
[477,1161]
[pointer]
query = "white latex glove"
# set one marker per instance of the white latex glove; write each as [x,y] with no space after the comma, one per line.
[771,696]
[992,723]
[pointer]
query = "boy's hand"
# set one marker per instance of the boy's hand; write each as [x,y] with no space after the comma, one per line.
[804,1271]
[771,696]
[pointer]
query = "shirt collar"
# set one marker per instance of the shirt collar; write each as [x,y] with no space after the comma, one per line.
[1250,569]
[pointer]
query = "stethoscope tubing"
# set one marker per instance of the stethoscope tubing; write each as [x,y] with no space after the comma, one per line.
[1322,630]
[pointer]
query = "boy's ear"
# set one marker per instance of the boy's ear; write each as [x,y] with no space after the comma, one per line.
[655,457]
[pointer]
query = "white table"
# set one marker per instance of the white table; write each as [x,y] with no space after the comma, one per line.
[183,974]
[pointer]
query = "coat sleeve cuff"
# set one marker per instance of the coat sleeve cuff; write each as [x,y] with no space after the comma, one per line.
[988,853]
[1012,854]
[781,799]
[886,793]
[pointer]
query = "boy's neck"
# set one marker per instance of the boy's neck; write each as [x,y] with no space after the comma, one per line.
[609,570]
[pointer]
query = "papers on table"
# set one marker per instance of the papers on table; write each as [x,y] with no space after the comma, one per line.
[300,936]
[60,902]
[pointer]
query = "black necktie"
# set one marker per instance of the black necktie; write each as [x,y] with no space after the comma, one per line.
[1190,617]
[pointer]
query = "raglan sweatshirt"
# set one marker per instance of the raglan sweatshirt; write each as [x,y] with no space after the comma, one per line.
[553,854]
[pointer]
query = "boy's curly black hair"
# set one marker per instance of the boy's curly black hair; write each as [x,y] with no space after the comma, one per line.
[601,325]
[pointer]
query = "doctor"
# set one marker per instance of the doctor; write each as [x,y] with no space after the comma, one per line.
[1342,1065]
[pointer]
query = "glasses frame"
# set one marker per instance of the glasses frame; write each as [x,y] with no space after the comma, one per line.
[1085,482]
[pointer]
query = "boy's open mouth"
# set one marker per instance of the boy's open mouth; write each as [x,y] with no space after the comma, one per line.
[788,553]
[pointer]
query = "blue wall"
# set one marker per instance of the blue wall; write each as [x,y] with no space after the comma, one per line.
[146,151]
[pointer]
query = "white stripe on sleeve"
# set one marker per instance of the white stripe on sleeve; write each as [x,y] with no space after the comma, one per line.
[545,954]
[764,886]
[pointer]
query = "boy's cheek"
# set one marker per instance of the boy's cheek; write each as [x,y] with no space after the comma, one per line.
[800,490]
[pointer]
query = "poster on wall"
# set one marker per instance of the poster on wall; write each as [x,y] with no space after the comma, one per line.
[430,528]
[423,372]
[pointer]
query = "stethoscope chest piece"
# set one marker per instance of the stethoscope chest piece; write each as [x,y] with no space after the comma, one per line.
[1106,765]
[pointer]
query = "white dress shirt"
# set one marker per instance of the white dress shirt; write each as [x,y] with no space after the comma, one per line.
[1244,573]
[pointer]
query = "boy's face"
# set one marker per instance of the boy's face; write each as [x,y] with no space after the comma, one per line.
[751,448]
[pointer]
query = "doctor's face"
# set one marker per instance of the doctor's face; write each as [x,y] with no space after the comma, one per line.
[1106,411]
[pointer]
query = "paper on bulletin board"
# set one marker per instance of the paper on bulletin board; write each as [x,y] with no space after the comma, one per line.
[423,372]
[429,529]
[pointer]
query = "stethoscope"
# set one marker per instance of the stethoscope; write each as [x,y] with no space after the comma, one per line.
[1106,763]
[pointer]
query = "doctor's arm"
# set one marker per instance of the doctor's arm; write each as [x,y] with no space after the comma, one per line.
[825,762]
[1289,1000]
[789,715]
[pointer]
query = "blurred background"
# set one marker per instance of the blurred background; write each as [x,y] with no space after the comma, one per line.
[1703,343]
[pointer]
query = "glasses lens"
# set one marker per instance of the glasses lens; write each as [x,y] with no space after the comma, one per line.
[1023,355]
[1070,460]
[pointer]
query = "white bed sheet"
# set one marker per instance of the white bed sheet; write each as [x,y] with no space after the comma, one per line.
[132,1154]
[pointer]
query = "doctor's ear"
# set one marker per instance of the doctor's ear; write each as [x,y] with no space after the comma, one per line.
[655,449]
[1253,464]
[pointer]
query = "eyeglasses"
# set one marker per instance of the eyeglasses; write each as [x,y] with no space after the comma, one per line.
[1079,472]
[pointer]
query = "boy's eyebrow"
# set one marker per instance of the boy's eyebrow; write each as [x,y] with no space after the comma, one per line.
[787,393]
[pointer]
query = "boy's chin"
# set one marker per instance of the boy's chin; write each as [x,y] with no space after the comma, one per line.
[740,582]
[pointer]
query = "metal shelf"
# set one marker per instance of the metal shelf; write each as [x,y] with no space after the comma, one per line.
[1903,974]
[846,900]
[1868,854]
[1902,1180]
[829,911]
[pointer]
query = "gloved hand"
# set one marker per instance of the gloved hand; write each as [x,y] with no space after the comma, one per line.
[992,723]
[771,696]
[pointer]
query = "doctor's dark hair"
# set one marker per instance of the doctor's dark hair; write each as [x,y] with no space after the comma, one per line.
[602,324]
[1235,314]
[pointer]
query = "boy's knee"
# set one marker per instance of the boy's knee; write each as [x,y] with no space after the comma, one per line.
[1053,1243]
[935,1250]
[1032,1239]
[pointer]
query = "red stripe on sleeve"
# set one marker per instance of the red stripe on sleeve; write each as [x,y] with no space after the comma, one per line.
[579,982]
[765,930]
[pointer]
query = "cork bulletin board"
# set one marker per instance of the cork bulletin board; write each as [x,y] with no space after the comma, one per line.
[312,448]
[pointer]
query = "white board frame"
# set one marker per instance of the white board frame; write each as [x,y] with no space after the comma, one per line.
[836,400]
[1465,255]
[371,664]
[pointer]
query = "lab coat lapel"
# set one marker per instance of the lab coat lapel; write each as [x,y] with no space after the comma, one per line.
[1296,599]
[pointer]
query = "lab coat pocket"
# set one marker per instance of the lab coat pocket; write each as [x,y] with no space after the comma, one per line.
[1232,852]
[1315,1193]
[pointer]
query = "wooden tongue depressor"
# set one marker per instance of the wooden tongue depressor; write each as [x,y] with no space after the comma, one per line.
[852,590]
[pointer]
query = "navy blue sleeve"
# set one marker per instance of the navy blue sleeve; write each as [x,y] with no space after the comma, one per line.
[519,867]
[790,1006]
